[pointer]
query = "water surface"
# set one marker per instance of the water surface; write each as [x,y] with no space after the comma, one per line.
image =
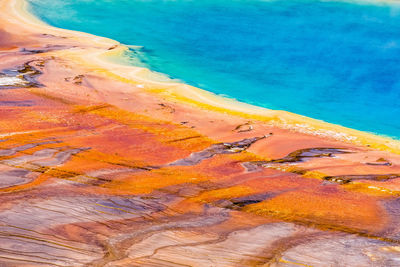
[334,61]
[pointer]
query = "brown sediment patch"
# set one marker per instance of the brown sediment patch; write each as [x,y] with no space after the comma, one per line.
[240,202]
[113,47]
[221,148]
[308,154]
[78,79]
[380,162]
[22,76]
[167,107]
[345,179]
[46,35]
[45,49]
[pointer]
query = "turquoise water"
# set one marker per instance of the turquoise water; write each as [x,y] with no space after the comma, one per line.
[335,61]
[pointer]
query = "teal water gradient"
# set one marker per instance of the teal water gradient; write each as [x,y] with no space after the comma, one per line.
[335,61]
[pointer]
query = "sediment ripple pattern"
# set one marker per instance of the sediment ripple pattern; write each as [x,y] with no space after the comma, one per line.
[84,182]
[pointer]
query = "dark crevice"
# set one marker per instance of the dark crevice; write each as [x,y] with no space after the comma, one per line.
[184,139]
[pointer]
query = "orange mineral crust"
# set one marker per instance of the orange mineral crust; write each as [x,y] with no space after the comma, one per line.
[100,165]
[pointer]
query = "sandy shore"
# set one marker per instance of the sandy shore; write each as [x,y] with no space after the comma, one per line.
[106,165]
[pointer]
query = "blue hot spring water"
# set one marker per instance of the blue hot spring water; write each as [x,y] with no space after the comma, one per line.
[336,61]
